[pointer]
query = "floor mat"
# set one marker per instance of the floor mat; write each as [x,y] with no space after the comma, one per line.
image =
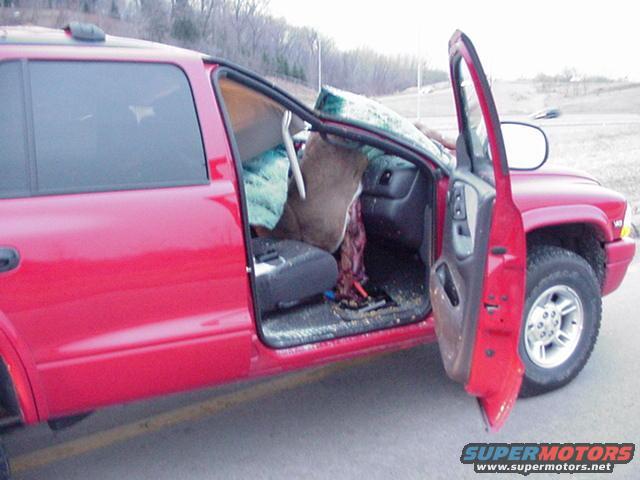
[400,274]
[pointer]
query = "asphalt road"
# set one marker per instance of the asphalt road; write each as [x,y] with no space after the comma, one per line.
[395,416]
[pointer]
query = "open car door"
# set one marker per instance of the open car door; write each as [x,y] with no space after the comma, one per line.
[477,285]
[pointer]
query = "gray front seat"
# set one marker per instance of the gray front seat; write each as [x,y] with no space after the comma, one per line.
[287,272]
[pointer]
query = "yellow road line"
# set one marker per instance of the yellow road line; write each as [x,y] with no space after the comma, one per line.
[196,411]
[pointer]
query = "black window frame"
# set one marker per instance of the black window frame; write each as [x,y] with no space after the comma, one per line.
[29,130]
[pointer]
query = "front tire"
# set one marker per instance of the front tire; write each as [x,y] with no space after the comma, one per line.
[563,309]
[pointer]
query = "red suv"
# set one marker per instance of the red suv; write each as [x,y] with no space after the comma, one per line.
[129,266]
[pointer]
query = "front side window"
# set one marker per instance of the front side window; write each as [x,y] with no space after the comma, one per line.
[113,125]
[475,129]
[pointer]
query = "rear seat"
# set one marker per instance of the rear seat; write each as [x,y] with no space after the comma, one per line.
[287,272]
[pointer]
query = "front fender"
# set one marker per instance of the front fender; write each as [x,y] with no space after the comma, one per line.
[569,214]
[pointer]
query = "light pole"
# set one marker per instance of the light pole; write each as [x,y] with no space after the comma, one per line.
[319,62]
[418,113]
[419,88]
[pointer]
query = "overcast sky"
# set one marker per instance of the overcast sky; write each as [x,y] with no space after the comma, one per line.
[514,38]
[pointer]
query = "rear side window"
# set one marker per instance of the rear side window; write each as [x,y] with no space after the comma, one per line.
[108,125]
[14,179]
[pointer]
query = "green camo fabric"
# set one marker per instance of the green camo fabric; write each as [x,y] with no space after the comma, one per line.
[266,183]
[347,105]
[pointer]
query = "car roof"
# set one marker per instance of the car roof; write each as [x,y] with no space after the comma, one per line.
[35,35]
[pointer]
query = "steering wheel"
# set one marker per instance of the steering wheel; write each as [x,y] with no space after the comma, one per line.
[293,156]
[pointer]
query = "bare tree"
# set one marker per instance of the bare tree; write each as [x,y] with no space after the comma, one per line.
[241,30]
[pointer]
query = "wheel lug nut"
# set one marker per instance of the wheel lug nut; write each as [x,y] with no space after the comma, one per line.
[555,322]
[543,334]
[540,325]
[545,315]
[553,314]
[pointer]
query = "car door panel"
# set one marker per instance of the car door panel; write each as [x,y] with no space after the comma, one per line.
[126,290]
[477,284]
[457,276]
[131,275]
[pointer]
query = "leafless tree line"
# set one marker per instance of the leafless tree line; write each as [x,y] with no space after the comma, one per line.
[240,30]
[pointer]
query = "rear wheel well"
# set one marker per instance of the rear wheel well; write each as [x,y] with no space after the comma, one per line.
[10,413]
[583,239]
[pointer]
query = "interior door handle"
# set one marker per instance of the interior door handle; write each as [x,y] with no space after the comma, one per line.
[9,259]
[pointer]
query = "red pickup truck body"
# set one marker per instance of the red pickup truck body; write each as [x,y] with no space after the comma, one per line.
[123,295]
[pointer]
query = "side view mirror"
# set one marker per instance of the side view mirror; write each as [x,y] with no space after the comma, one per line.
[526,145]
